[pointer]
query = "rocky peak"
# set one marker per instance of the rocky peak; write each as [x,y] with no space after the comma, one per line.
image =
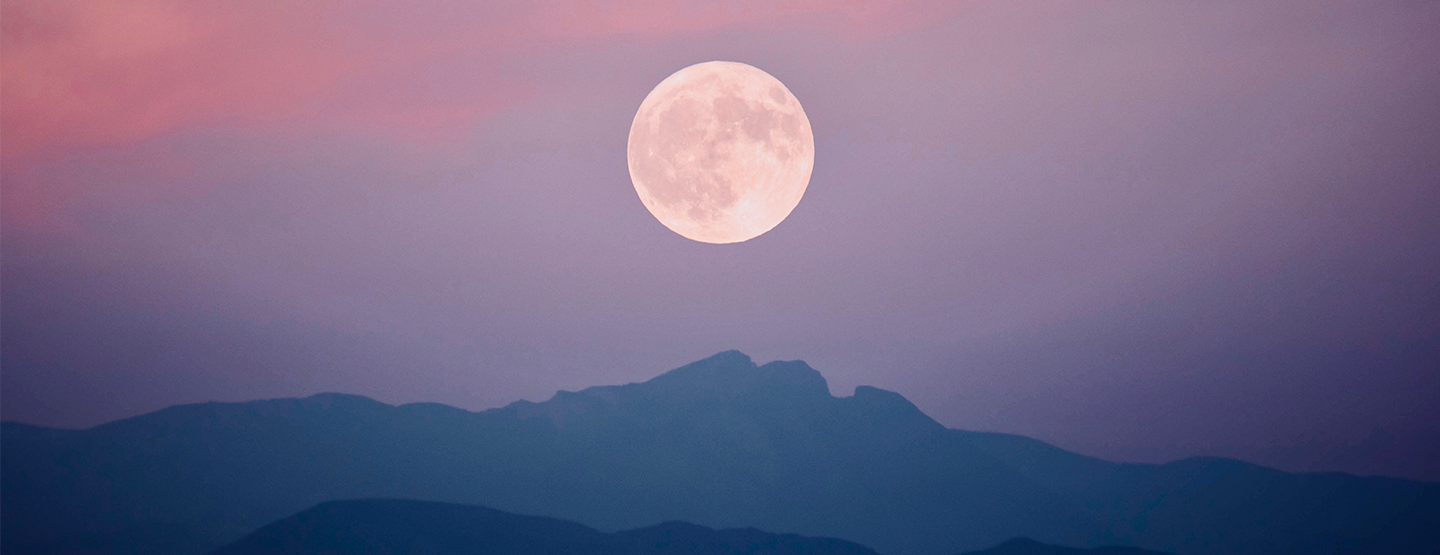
[733,373]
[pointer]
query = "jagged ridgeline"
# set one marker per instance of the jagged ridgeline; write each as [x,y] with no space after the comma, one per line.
[722,443]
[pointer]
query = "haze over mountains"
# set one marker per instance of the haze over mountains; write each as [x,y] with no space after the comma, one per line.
[721,442]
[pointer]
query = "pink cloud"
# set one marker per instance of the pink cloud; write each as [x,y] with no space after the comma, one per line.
[849,19]
[83,72]
[80,75]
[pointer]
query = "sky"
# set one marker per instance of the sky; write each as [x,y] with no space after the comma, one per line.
[1138,230]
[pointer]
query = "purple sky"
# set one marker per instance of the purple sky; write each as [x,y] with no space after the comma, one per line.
[1139,230]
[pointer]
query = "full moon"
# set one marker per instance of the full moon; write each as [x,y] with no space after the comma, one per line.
[720,152]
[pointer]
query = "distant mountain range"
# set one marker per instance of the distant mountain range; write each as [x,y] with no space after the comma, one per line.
[387,526]
[721,442]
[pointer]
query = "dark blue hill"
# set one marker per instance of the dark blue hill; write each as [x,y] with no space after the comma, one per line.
[384,527]
[721,442]
[1025,546]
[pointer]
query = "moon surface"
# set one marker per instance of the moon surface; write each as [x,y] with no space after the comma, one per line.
[720,152]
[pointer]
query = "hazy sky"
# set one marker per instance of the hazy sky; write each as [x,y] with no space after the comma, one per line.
[1140,230]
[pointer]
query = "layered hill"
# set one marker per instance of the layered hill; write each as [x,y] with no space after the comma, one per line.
[721,442]
[385,526]
[394,526]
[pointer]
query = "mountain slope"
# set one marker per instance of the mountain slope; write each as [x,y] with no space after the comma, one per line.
[384,526]
[721,442]
[1259,510]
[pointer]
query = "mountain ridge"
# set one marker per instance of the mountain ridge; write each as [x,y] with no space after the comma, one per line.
[721,442]
[383,526]
[784,376]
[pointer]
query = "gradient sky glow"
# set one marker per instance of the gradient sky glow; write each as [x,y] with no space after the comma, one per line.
[1139,230]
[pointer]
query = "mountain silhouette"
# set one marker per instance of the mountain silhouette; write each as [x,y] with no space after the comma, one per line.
[384,526]
[721,442]
[1026,546]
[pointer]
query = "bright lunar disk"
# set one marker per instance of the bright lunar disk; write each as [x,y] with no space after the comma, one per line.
[720,152]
